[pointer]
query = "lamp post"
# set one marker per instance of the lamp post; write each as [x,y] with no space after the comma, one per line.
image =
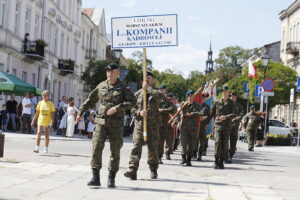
[117,53]
[265,61]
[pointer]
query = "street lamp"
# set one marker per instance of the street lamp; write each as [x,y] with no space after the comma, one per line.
[117,53]
[265,61]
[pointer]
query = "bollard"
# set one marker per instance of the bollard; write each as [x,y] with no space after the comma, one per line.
[2,137]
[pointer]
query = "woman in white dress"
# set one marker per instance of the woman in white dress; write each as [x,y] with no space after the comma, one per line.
[91,124]
[72,110]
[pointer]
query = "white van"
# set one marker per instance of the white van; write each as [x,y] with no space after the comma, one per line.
[277,127]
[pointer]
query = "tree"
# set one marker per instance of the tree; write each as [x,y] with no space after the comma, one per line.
[139,58]
[284,76]
[95,73]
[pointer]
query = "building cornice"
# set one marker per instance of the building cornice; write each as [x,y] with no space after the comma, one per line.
[290,10]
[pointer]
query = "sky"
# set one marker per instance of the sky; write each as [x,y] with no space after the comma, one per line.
[247,23]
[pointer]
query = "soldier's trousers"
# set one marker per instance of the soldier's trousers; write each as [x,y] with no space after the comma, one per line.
[233,138]
[221,141]
[188,137]
[169,140]
[152,143]
[115,136]
[251,139]
[202,140]
[165,136]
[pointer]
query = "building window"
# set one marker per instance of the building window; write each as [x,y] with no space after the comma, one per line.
[55,41]
[1,67]
[67,48]
[37,26]
[59,89]
[65,89]
[27,20]
[24,76]
[62,40]
[76,50]
[14,72]
[50,35]
[83,37]
[64,5]
[33,79]
[87,41]
[58,4]
[17,18]
[70,10]
[4,13]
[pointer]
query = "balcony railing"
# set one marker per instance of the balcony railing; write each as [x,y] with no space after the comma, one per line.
[66,66]
[292,48]
[34,50]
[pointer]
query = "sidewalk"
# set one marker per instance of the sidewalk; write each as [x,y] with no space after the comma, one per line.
[64,171]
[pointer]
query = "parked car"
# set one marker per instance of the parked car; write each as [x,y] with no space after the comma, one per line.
[277,127]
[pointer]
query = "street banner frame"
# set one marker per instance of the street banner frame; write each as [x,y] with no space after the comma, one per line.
[144,31]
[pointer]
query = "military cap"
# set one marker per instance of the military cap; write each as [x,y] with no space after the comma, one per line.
[189,92]
[112,66]
[252,107]
[171,95]
[225,88]
[162,87]
[150,74]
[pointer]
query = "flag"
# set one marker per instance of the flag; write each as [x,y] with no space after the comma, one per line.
[252,70]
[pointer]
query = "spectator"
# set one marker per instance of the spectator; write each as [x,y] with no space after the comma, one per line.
[91,124]
[81,126]
[12,110]
[34,104]
[4,118]
[26,114]
[61,113]
[72,110]
[63,121]
[45,113]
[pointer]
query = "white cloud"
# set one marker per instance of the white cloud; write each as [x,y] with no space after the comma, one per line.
[182,59]
[128,3]
[193,18]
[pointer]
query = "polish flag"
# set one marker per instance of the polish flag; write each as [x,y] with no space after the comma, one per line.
[252,70]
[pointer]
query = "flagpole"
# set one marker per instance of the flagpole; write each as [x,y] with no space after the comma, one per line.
[145,94]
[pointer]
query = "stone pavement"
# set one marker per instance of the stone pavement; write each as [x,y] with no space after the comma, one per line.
[267,173]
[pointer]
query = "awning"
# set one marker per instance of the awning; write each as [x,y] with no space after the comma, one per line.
[10,84]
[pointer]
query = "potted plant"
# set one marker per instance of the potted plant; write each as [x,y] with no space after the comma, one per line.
[41,42]
[2,137]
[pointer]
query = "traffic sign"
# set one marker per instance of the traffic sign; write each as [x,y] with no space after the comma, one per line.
[246,86]
[268,85]
[258,90]
[298,84]
[267,94]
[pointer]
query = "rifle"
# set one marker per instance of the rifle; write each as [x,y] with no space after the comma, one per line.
[185,103]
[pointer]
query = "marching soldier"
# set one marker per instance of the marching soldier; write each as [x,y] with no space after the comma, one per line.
[222,111]
[153,99]
[189,126]
[235,123]
[113,97]
[251,123]
[203,126]
[166,108]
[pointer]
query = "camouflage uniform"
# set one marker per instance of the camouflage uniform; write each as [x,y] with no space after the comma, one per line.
[251,123]
[233,137]
[165,131]
[221,128]
[119,96]
[203,126]
[153,115]
[189,127]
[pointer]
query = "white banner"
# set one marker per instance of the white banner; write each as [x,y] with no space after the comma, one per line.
[144,31]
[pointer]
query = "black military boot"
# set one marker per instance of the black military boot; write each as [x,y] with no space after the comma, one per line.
[188,160]
[131,174]
[95,181]
[221,163]
[111,179]
[204,153]
[168,157]
[159,160]
[226,159]
[199,158]
[183,160]
[230,159]
[217,163]
[153,174]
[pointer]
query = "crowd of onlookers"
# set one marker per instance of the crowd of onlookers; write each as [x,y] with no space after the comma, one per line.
[17,116]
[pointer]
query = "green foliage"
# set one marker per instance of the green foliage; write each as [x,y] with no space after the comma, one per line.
[95,73]
[284,76]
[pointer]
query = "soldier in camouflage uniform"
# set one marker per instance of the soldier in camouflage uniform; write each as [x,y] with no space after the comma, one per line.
[203,126]
[235,123]
[189,126]
[222,111]
[251,122]
[113,97]
[166,108]
[153,101]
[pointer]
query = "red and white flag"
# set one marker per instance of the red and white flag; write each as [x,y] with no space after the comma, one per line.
[252,70]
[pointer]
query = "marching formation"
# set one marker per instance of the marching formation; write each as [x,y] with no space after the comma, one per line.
[168,124]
